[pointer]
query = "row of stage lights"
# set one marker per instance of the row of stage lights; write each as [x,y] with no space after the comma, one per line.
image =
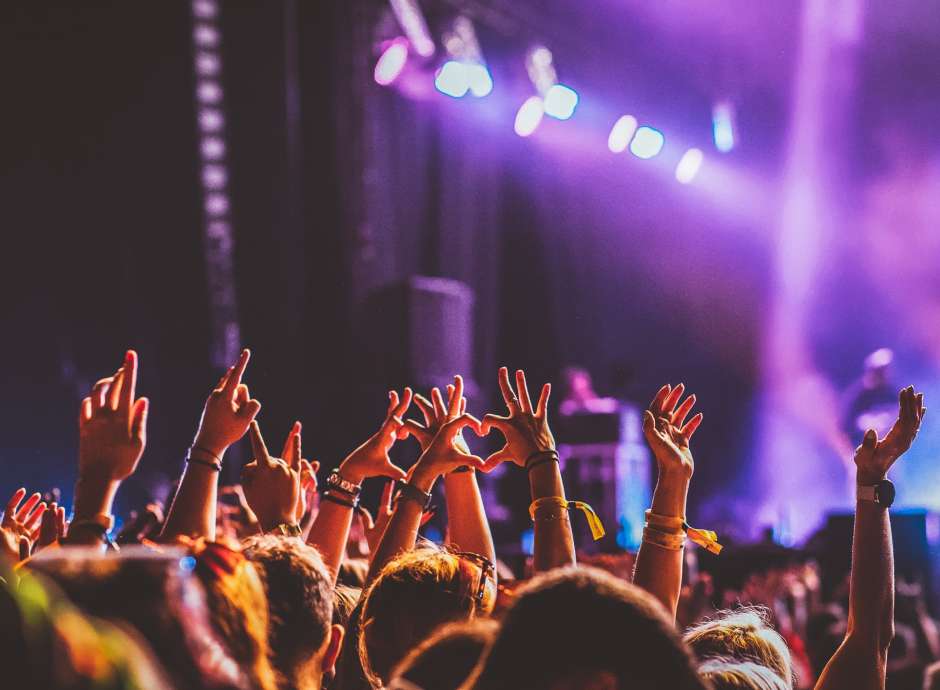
[465,74]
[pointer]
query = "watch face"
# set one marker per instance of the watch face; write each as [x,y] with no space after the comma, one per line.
[884,493]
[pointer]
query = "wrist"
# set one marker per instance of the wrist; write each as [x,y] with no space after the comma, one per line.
[869,477]
[94,495]
[423,479]
[269,524]
[669,497]
[206,445]
[350,473]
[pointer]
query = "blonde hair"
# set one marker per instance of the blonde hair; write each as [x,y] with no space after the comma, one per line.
[412,595]
[725,674]
[742,635]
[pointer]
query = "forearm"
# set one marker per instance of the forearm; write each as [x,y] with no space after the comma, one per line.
[554,542]
[658,570]
[402,531]
[192,513]
[330,532]
[467,526]
[93,496]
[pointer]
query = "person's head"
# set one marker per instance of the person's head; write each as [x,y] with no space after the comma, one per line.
[724,674]
[303,640]
[413,595]
[742,635]
[157,595]
[238,607]
[446,658]
[580,627]
[345,599]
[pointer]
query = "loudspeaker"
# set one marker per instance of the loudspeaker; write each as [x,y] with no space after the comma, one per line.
[420,333]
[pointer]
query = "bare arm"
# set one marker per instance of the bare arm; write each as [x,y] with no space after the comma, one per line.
[225,419]
[330,530]
[861,660]
[659,569]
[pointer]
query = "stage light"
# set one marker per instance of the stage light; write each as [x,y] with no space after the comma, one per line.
[208,92]
[392,61]
[529,116]
[210,120]
[723,126]
[411,20]
[452,79]
[560,102]
[621,134]
[207,64]
[205,36]
[689,165]
[647,142]
[478,76]
[213,148]
[540,68]
[214,177]
[216,204]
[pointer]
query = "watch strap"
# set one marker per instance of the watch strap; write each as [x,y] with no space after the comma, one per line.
[412,493]
[866,493]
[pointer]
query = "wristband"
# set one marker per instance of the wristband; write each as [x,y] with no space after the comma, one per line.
[206,451]
[559,503]
[670,541]
[287,529]
[666,524]
[354,503]
[413,493]
[214,465]
[101,525]
[548,453]
[541,461]
[336,481]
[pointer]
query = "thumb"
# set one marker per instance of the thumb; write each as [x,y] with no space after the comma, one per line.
[139,418]
[393,471]
[870,440]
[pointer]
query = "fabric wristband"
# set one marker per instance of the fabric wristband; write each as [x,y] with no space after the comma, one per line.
[349,503]
[707,539]
[413,493]
[594,522]
[671,540]
[533,460]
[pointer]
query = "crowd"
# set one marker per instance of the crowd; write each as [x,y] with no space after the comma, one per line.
[286,582]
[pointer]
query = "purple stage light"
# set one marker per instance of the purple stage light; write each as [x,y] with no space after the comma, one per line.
[560,102]
[207,64]
[392,61]
[647,142]
[214,177]
[206,36]
[723,126]
[478,76]
[411,19]
[529,116]
[211,120]
[208,92]
[216,205]
[205,9]
[689,165]
[213,148]
[453,79]
[621,134]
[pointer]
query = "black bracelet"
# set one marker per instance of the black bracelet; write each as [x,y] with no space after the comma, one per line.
[413,493]
[340,501]
[214,464]
[207,452]
[541,461]
[551,453]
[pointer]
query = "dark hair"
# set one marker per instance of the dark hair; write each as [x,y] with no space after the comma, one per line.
[446,658]
[580,622]
[300,597]
[155,593]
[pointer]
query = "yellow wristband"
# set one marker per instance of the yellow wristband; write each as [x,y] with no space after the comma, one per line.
[594,522]
[707,539]
[666,540]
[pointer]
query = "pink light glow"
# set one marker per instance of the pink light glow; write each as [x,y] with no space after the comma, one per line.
[391,62]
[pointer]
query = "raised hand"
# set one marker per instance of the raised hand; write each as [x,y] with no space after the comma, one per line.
[446,450]
[525,429]
[435,413]
[272,486]
[874,457]
[113,426]
[668,433]
[52,526]
[21,524]
[228,411]
[308,470]
[371,458]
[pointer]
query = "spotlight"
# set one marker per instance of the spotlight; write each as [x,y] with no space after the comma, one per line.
[560,102]
[529,116]
[621,134]
[392,61]
[453,79]
[412,22]
[539,64]
[478,76]
[723,126]
[647,142]
[689,165]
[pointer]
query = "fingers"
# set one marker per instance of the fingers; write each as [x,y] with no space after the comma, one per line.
[440,410]
[657,405]
[238,370]
[220,386]
[454,426]
[496,459]
[139,419]
[678,417]
[31,502]
[463,406]
[385,503]
[392,403]
[113,396]
[419,432]
[492,421]
[250,409]
[128,383]
[456,395]
[427,409]
[258,449]
[524,402]
[693,424]
[541,408]
[84,411]
[295,461]
[10,512]
[670,402]
[32,521]
[393,471]
[287,452]
[97,393]
[405,403]
[60,526]
[512,402]
[367,522]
